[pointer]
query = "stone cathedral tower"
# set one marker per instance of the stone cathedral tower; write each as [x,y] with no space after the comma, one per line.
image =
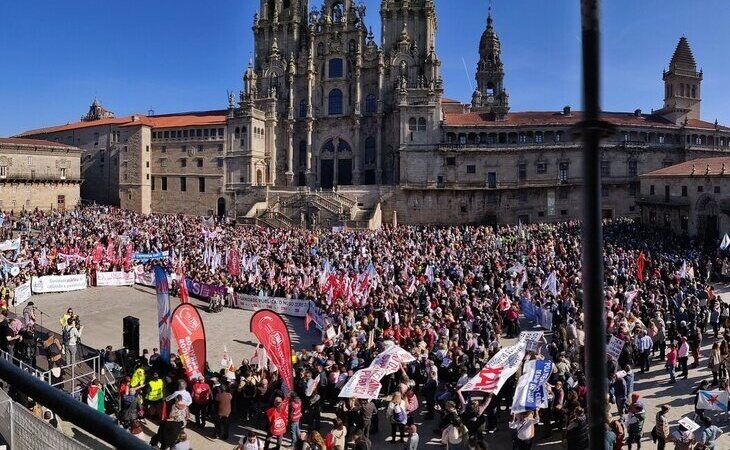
[490,95]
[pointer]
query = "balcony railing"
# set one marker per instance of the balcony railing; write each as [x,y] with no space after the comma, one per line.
[38,177]
[662,200]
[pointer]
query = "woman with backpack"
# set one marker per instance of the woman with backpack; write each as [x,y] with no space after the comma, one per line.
[398,416]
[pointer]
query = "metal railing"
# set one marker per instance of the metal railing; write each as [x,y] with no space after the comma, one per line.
[81,415]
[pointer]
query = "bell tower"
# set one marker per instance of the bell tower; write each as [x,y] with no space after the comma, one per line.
[682,85]
[280,24]
[490,95]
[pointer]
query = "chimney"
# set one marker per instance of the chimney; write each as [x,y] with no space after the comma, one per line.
[637,112]
[566,111]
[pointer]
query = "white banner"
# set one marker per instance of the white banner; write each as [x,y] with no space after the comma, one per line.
[364,384]
[498,370]
[114,278]
[10,245]
[22,293]
[390,360]
[58,283]
[286,306]
[614,347]
[144,278]
[531,392]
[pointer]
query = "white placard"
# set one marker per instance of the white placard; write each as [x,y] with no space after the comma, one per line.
[689,424]
[58,283]
[22,293]
[614,347]
[114,278]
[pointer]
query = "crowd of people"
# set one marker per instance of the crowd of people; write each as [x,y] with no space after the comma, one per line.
[449,296]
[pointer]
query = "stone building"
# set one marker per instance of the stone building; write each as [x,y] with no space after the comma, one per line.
[331,128]
[689,198]
[38,174]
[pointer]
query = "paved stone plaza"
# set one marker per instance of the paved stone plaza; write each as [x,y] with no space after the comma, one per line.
[102,309]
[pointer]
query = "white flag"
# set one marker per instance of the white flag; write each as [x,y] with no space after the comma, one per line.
[713,400]
[551,284]
[725,242]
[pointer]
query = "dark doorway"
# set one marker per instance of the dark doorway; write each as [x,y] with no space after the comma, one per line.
[369,177]
[301,179]
[327,173]
[221,207]
[344,172]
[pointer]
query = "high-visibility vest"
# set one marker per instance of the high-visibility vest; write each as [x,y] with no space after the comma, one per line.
[138,378]
[155,392]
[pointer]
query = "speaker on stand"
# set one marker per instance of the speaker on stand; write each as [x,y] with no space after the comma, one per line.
[130,336]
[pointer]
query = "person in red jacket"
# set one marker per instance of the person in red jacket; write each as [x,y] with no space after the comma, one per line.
[277,416]
[295,417]
[201,398]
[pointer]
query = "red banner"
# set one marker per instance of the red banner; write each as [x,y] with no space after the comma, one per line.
[273,335]
[187,327]
[234,262]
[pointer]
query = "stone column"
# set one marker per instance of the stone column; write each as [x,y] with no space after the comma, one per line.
[379,122]
[335,169]
[290,154]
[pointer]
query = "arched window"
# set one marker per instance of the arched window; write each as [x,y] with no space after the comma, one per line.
[336,67]
[303,108]
[694,91]
[302,153]
[370,150]
[238,132]
[320,49]
[490,89]
[272,7]
[274,83]
[335,102]
[421,124]
[412,124]
[371,104]
[338,12]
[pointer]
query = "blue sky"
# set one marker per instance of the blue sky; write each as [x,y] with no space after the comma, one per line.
[183,55]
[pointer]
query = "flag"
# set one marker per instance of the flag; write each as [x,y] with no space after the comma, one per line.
[725,242]
[271,331]
[429,273]
[683,270]
[95,397]
[640,266]
[163,312]
[712,400]
[183,293]
[187,327]
[307,320]
[551,284]
[630,297]
[498,370]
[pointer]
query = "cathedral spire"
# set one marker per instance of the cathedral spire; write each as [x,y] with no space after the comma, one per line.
[490,95]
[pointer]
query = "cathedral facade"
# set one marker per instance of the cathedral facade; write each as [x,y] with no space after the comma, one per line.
[332,128]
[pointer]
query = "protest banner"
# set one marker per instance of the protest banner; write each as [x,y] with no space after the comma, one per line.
[689,424]
[10,245]
[365,383]
[115,278]
[145,257]
[531,393]
[58,283]
[187,327]
[22,293]
[614,347]
[286,306]
[532,340]
[390,360]
[498,370]
[273,334]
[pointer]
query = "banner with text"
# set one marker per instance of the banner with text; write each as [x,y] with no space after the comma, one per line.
[58,283]
[145,257]
[114,278]
[364,384]
[531,393]
[22,293]
[498,370]
[187,327]
[273,334]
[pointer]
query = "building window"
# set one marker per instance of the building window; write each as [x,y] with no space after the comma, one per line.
[371,104]
[661,138]
[96,139]
[522,171]
[30,160]
[523,138]
[199,162]
[153,183]
[302,109]
[147,164]
[200,148]
[166,134]
[633,188]
[163,162]
[492,198]
[563,212]
[335,102]
[700,189]
[541,214]
[651,190]
[205,132]
[183,162]
[220,162]
[604,191]
[3,171]
[563,193]
[558,136]
[164,149]
[62,173]
[412,124]
[471,169]
[538,138]
[492,180]
[684,191]
[522,196]
[201,184]
[667,193]
[605,169]
[685,224]
[563,171]
[717,189]
[451,161]
[164,183]
[370,151]
[421,124]
[183,184]
[633,169]
[336,67]
[541,167]
[147,149]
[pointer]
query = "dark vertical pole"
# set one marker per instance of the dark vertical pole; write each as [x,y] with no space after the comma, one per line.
[592,130]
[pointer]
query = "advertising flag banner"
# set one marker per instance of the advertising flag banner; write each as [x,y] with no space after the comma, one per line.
[270,329]
[712,400]
[234,262]
[163,311]
[187,327]
[364,384]
[531,393]
[498,370]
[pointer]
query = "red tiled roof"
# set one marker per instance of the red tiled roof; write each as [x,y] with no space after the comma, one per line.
[32,142]
[162,121]
[703,125]
[700,165]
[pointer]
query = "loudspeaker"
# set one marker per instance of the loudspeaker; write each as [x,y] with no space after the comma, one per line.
[130,335]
